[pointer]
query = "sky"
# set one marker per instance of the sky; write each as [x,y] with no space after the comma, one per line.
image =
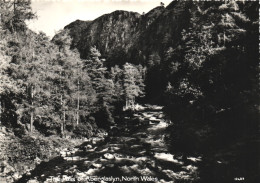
[54,15]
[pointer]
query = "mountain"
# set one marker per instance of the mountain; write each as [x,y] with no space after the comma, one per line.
[123,36]
[76,28]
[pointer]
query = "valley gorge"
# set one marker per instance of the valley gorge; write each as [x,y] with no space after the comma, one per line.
[170,95]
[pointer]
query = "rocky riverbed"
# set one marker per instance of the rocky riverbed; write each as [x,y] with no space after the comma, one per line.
[134,151]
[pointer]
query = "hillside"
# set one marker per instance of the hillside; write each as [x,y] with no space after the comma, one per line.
[177,86]
[123,36]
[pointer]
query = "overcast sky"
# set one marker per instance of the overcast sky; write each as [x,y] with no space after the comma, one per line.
[53,15]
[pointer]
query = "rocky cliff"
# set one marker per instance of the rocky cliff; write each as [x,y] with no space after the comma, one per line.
[128,36]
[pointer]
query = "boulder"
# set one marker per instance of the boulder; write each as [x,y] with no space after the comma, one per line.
[91,150]
[97,140]
[97,165]
[109,156]
[33,181]
[64,153]
[74,158]
[6,168]
[87,147]
[81,175]
[16,176]
[91,171]
[167,157]
[37,160]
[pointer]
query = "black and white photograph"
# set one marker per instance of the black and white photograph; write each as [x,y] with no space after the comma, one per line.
[129,91]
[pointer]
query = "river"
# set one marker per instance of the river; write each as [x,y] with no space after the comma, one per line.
[135,151]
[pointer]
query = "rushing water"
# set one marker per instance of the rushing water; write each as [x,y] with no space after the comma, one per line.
[134,152]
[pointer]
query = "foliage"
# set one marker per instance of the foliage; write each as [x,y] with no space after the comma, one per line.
[211,92]
[133,83]
[46,86]
[14,14]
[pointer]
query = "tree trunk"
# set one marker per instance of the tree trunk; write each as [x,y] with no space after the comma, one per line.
[77,117]
[2,109]
[62,124]
[78,106]
[224,38]
[31,121]
[61,129]
[0,112]
[64,120]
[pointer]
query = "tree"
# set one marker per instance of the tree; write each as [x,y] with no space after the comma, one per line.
[68,79]
[216,70]
[116,74]
[161,4]
[7,84]
[15,13]
[133,84]
[63,40]
[154,60]
[97,72]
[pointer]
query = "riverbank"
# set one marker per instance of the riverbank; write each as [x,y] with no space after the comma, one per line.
[20,155]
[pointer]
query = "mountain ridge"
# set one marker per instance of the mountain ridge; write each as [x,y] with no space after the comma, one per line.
[126,36]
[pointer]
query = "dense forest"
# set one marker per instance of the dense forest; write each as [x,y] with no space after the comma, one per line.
[47,87]
[199,60]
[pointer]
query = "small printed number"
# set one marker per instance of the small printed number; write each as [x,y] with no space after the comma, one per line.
[239,178]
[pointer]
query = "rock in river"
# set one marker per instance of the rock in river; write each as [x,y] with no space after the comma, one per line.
[97,165]
[109,156]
